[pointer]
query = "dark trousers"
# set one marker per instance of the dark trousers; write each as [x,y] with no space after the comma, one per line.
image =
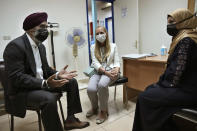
[155,106]
[46,100]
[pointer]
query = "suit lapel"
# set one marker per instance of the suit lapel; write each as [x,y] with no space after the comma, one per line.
[41,53]
[43,59]
[30,54]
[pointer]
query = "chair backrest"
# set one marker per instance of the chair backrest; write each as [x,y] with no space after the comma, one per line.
[4,81]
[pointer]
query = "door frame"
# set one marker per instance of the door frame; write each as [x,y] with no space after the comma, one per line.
[106,26]
[87,17]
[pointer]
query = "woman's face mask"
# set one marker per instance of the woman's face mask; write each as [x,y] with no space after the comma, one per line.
[101,37]
[41,34]
[172,30]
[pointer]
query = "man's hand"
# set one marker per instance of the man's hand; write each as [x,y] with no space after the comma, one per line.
[56,83]
[63,74]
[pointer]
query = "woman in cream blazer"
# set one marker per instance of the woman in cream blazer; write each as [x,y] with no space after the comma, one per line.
[105,60]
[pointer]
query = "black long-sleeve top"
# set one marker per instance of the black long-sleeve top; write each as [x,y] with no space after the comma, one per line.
[181,70]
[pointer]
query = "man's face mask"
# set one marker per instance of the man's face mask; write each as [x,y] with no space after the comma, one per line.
[41,34]
[101,37]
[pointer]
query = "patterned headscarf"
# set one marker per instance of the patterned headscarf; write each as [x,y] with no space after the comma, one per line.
[186,28]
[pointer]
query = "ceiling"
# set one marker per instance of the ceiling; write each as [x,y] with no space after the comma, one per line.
[99,4]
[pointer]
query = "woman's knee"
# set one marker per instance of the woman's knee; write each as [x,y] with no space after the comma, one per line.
[145,97]
[102,85]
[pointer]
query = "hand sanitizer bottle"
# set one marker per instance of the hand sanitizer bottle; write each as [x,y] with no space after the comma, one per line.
[163,50]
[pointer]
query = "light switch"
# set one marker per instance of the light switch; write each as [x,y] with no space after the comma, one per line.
[6,37]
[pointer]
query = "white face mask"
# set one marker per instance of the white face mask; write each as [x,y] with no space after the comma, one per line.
[101,37]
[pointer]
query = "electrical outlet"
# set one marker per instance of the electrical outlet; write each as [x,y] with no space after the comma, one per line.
[6,37]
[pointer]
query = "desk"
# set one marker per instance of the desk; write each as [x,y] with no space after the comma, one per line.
[142,72]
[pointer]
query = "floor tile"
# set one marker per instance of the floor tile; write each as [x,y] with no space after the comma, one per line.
[122,124]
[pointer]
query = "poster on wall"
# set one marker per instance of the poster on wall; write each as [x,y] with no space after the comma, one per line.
[124,12]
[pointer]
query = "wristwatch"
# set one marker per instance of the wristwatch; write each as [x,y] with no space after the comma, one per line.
[56,76]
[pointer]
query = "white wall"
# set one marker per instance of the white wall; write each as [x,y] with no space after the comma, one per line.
[126,26]
[68,13]
[153,21]
[152,18]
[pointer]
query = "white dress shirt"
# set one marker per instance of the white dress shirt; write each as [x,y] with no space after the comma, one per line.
[39,71]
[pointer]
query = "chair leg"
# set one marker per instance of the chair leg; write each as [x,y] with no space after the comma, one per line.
[12,123]
[39,121]
[126,102]
[115,93]
[62,113]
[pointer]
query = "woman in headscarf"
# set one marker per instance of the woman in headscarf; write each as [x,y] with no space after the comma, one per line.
[105,61]
[177,86]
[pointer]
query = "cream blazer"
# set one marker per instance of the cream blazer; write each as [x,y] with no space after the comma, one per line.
[112,59]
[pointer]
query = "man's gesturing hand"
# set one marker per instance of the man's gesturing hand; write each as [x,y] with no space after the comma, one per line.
[55,83]
[63,74]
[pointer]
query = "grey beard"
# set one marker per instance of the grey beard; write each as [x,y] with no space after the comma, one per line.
[36,40]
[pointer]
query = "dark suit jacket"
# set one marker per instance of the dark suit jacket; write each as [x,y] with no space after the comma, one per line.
[21,72]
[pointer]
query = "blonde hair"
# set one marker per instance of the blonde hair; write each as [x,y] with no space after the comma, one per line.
[97,51]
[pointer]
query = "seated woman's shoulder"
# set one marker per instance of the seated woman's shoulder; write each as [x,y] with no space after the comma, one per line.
[188,40]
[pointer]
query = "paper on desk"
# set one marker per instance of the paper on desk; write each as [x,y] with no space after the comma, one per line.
[135,56]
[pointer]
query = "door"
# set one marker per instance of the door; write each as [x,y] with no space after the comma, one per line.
[126,26]
[108,26]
